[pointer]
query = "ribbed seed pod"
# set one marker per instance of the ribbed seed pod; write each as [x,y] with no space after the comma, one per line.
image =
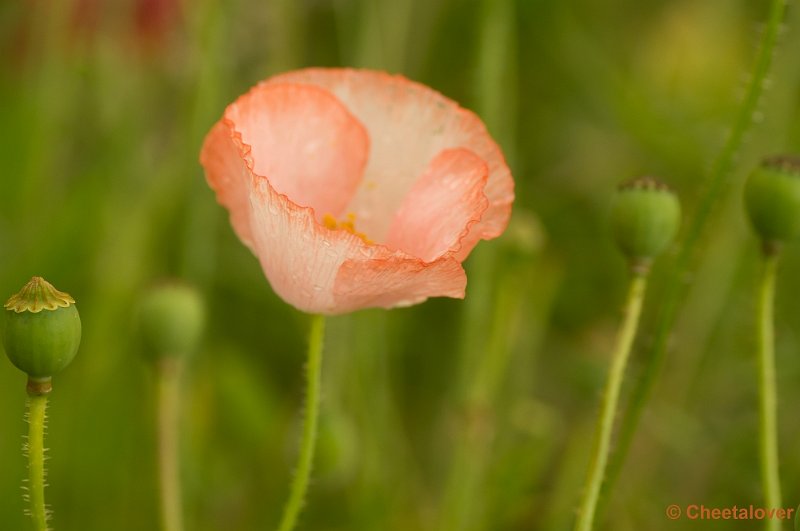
[41,329]
[772,200]
[645,217]
[171,318]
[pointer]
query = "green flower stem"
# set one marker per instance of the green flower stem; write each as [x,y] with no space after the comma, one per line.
[37,407]
[677,285]
[168,375]
[608,408]
[305,460]
[768,430]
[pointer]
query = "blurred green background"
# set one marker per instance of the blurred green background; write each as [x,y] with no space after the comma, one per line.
[451,415]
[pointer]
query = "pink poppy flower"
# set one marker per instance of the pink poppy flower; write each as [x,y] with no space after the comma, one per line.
[356,188]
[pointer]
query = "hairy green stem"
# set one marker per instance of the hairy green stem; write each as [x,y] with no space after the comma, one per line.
[37,407]
[168,411]
[677,284]
[768,406]
[305,460]
[608,408]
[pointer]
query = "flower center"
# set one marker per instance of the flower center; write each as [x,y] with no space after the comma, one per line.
[348,224]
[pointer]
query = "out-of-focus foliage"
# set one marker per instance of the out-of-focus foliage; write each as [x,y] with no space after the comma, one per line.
[450,415]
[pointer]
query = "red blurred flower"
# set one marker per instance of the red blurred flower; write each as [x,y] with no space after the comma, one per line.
[357,189]
[154,19]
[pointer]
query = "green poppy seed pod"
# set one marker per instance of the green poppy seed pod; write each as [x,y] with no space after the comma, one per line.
[772,199]
[171,318]
[41,331]
[645,217]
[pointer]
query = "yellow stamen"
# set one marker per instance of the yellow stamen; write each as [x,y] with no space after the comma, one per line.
[348,224]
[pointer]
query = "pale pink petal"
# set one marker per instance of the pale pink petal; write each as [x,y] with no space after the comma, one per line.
[440,208]
[299,256]
[396,282]
[319,270]
[305,142]
[409,124]
[225,173]
[311,267]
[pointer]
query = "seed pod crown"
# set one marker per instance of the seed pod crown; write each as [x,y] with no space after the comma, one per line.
[41,329]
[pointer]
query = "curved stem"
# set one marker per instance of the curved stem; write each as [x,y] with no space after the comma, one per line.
[677,284]
[37,407]
[768,431]
[608,408]
[168,406]
[305,460]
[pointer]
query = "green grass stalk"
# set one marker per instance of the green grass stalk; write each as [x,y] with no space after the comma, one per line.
[462,504]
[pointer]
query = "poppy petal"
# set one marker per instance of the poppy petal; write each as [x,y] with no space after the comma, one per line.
[441,207]
[224,172]
[409,125]
[396,281]
[299,256]
[319,270]
[320,170]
